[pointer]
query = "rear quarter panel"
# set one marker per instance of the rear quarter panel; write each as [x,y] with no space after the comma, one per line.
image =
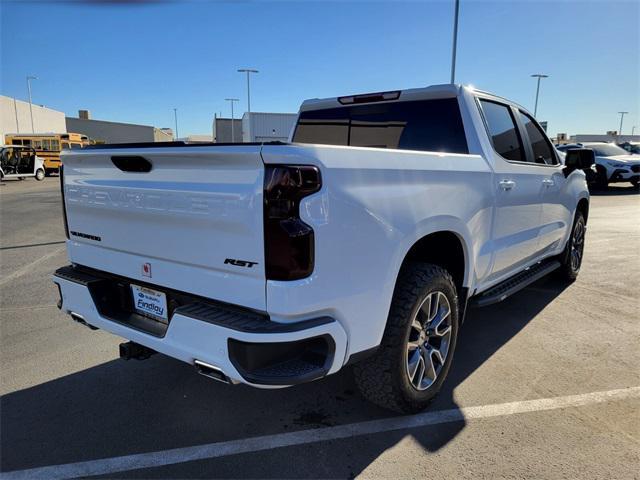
[373,206]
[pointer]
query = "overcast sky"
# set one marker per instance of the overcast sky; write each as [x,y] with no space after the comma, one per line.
[135,63]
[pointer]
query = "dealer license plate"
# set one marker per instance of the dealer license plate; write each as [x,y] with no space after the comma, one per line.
[150,302]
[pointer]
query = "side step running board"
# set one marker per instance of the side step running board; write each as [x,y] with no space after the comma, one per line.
[514,284]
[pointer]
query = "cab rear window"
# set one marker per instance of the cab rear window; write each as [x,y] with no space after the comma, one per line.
[425,125]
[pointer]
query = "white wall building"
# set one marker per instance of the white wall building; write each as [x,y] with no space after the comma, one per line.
[15,117]
[608,137]
[267,127]
[221,130]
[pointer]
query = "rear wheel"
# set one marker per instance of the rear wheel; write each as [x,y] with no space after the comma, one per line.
[40,174]
[571,258]
[413,360]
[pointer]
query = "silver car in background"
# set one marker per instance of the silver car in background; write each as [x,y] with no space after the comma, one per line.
[613,163]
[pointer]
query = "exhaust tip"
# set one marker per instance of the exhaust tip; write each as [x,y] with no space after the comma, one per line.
[80,319]
[211,371]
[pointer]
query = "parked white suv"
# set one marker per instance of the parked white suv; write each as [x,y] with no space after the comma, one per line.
[613,163]
[361,242]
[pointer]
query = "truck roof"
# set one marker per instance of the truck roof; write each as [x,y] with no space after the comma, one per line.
[447,90]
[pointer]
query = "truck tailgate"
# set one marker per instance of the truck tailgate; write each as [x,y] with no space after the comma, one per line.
[192,223]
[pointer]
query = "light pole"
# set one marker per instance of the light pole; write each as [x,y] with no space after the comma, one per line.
[622,114]
[455,42]
[175,118]
[248,71]
[633,129]
[539,76]
[29,78]
[233,133]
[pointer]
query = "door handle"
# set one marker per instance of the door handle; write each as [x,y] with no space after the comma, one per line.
[547,182]
[507,184]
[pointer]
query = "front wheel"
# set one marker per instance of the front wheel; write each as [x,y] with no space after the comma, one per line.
[40,174]
[571,258]
[413,360]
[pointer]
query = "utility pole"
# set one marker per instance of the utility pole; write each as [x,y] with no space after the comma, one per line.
[233,133]
[15,110]
[455,42]
[248,71]
[539,76]
[29,78]
[622,114]
[175,118]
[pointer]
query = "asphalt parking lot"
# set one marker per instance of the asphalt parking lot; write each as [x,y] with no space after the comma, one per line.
[544,385]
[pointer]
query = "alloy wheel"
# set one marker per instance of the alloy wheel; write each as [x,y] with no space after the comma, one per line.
[429,340]
[577,245]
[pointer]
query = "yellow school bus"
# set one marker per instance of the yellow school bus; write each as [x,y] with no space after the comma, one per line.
[48,145]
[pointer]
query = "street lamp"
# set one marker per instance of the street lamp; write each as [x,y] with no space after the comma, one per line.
[539,76]
[233,135]
[455,42]
[622,114]
[248,71]
[29,78]
[175,118]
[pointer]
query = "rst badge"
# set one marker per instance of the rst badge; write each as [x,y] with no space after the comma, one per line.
[239,263]
[146,270]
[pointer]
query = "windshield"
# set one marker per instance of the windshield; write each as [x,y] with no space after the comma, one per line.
[607,150]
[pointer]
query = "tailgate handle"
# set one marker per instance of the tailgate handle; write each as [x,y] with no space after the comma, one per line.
[128,163]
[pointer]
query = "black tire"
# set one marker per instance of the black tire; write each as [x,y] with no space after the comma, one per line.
[635,183]
[384,378]
[571,257]
[40,174]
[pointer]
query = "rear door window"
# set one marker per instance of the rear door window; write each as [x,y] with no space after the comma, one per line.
[425,125]
[502,129]
[540,144]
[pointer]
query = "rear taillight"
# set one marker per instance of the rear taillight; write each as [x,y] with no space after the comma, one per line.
[288,241]
[64,207]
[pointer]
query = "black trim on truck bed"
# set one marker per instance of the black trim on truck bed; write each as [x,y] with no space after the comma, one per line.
[116,146]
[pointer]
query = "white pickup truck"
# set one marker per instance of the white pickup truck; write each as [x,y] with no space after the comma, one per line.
[361,242]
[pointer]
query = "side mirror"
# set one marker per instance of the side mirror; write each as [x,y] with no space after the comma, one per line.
[578,159]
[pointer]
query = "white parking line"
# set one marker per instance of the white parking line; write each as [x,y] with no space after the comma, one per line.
[27,268]
[247,445]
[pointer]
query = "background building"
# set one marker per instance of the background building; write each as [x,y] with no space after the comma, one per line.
[267,127]
[222,130]
[102,131]
[16,118]
[608,137]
